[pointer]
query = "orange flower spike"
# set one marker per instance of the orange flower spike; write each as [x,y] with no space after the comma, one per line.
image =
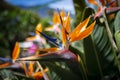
[25,69]
[4,65]
[94,2]
[62,14]
[16,51]
[84,33]
[64,35]
[50,49]
[28,69]
[38,28]
[67,23]
[79,28]
[55,18]
[39,75]
[31,38]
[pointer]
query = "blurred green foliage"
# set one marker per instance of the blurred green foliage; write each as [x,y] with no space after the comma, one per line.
[15,23]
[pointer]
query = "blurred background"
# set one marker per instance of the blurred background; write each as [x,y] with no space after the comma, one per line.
[19,17]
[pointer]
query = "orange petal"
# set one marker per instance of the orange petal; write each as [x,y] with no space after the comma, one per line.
[49,28]
[67,23]
[93,2]
[25,69]
[79,28]
[64,36]
[85,33]
[16,51]
[55,18]
[38,28]
[38,75]
[50,49]
[62,13]
[31,38]
[28,69]
[103,2]
[5,65]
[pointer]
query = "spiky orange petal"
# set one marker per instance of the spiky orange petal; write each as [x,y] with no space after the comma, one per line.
[84,33]
[31,38]
[38,75]
[79,28]
[67,23]
[94,2]
[62,13]
[38,28]
[28,69]
[5,65]
[55,18]
[50,28]
[16,51]
[50,49]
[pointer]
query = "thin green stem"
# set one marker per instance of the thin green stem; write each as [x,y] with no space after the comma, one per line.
[111,40]
[109,32]
[44,74]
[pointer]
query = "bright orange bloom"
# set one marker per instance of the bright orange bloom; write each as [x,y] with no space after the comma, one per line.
[29,71]
[15,55]
[80,32]
[37,36]
[16,51]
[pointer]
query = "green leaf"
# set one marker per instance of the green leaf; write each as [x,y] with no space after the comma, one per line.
[117,38]
[59,73]
[91,58]
[79,8]
[100,56]
[116,22]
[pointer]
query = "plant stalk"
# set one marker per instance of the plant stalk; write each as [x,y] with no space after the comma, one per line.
[109,32]
[44,74]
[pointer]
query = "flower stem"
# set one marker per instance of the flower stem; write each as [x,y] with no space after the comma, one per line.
[44,74]
[109,32]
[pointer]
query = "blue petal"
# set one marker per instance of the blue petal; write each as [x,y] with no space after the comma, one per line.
[6,60]
[27,67]
[53,40]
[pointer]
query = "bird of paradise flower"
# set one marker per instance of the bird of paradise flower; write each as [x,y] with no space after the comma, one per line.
[61,51]
[31,72]
[11,61]
[109,7]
